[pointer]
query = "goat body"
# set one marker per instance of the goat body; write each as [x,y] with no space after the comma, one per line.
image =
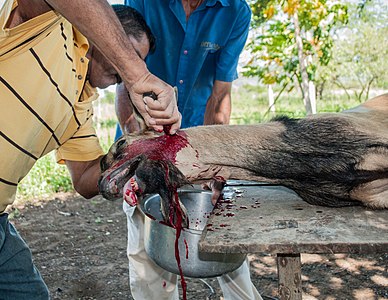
[330,159]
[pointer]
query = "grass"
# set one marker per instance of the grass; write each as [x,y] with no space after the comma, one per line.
[45,179]
[249,107]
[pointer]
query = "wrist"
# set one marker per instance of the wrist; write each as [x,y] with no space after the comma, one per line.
[132,71]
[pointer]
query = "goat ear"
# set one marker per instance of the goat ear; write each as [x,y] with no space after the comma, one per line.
[155,176]
[175,176]
[134,164]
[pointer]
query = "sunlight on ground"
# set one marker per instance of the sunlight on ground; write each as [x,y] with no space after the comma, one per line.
[330,286]
[313,290]
[264,265]
[354,265]
[336,283]
[381,280]
[311,258]
[364,294]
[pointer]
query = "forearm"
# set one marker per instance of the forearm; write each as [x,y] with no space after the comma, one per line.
[85,176]
[98,22]
[124,111]
[218,107]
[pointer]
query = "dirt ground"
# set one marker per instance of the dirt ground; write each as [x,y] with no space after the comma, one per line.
[79,247]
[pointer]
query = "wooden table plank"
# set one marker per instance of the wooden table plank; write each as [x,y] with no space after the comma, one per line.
[266,219]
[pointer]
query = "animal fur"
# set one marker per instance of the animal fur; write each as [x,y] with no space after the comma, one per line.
[330,159]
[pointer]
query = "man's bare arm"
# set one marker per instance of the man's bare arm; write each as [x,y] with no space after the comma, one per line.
[98,22]
[218,107]
[85,176]
[124,111]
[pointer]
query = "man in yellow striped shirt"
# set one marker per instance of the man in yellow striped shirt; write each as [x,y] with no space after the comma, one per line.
[48,75]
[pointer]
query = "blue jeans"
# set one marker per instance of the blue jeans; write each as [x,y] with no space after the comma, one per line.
[19,278]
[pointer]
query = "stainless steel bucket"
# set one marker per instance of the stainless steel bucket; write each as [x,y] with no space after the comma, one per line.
[160,239]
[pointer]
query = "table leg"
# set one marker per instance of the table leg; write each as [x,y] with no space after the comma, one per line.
[289,274]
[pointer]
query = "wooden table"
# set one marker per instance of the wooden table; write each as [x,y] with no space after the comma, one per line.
[273,219]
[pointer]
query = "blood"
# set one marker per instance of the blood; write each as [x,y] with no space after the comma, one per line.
[187,249]
[175,220]
[229,215]
[150,216]
[166,223]
[166,129]
[178,228]
[164,147]
[219,178]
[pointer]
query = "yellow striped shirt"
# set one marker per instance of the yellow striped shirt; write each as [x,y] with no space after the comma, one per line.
[46,103]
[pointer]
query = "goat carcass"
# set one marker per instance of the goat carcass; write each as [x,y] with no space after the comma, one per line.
[329,159]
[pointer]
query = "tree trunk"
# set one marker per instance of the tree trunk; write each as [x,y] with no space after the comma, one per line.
[271,99]
[312,95]
[302,66]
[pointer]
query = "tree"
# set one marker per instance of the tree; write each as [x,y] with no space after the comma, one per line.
[360,53]
[290,39]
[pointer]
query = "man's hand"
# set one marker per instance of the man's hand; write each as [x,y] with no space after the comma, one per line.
[159,112]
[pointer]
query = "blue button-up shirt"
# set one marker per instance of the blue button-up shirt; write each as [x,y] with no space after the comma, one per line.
[191,54]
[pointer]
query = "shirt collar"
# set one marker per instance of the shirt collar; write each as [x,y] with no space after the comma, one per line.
[212,2]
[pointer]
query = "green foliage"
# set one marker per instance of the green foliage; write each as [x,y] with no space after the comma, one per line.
[360,52]
[108,123]
[273,45]
[108,98]
[45,178]
[106,140]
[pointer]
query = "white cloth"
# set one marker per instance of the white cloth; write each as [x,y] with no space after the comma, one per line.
[150,282]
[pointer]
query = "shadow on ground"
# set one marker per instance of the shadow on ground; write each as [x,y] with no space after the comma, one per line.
[79,247]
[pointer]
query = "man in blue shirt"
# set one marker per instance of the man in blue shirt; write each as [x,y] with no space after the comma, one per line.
[198,43]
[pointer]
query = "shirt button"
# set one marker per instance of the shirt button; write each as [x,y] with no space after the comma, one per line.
[80,77]
[181,81]
[185,52]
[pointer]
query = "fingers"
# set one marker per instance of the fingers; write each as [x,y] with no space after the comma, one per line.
[167,116]
[137,101]
[156,112]
[174,127]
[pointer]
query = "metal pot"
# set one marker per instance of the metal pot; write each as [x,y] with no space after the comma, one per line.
[159,239]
